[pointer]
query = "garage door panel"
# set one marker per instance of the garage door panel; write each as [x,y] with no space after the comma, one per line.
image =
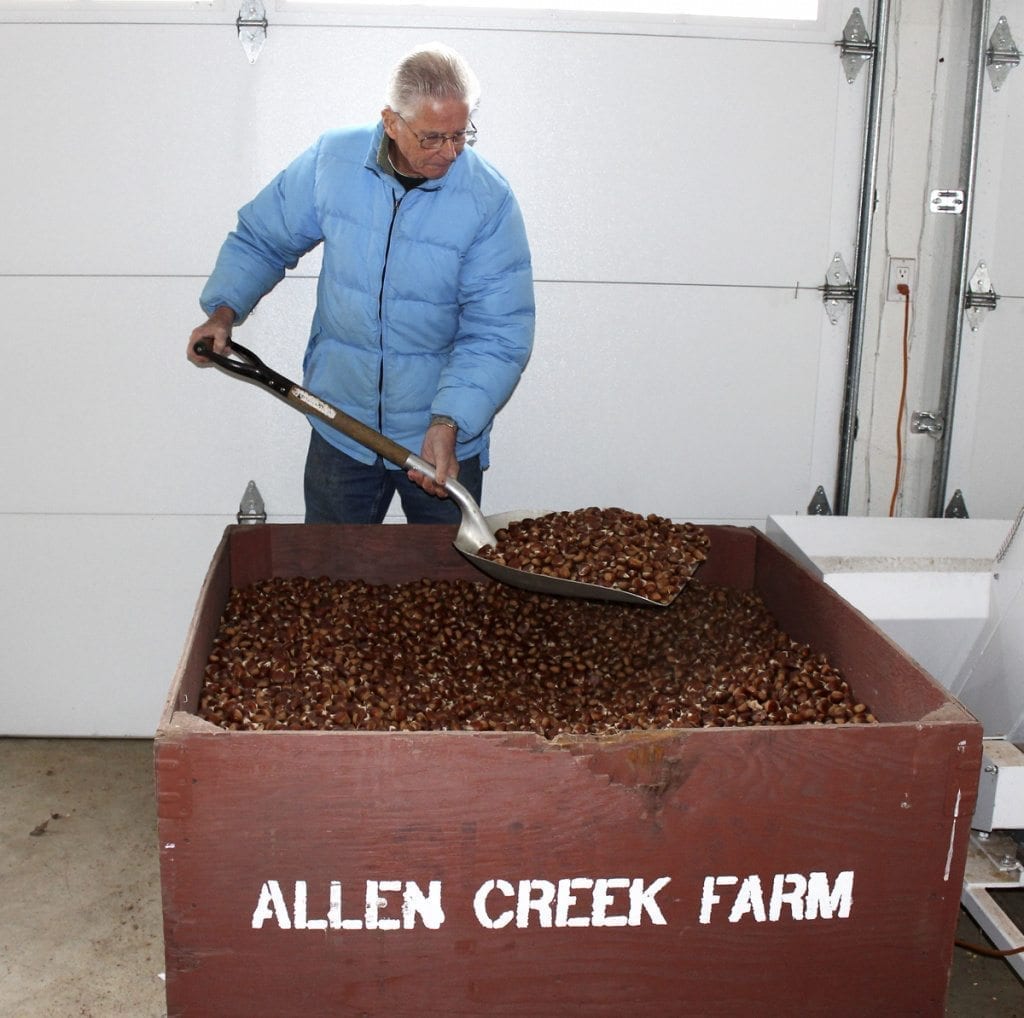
[683,196]
[987,441]
[136,180]
[666,411]
[113,419]
[711,166]
[122,159]
[999,430]
[657,381]
[96,610]
[728,183]
[998,236]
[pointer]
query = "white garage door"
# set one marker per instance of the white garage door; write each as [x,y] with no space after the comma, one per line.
[986,455]
[685,190]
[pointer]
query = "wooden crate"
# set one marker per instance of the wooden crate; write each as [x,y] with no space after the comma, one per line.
[780,870]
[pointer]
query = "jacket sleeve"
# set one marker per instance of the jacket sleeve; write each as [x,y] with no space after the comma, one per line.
[496,324]
[274,231]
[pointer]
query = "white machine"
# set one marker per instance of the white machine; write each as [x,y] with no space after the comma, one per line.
[950,592]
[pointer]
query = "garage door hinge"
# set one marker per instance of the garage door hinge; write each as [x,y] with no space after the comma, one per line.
[818,506]
[838,289]
[957,508]
[855,47]
[1002,55]
[981,297]
[251,509]
[252,27]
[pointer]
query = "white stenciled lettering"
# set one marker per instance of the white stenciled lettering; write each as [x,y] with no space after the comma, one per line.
[335,919]
[749,901]
[641,900]
[483,916]
[708,900]
[793,897]
[426,906]
[381,909]
[334,905]
[566,900]
[536,896]
[376,903]
[300,915]
[829,902]
[808,897]
[572,902]
[603,901]
[271,906]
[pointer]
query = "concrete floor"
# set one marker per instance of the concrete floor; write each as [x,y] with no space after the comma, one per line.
[80,919]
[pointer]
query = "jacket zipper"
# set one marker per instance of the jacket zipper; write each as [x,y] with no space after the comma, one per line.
[380,312]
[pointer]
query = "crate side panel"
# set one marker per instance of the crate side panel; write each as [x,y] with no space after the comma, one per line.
[879,672]
[375,554]
[741,808]
[188,679]
[400,554]
[731,560]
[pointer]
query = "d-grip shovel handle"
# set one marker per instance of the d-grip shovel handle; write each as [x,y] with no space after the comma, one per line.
[252,368]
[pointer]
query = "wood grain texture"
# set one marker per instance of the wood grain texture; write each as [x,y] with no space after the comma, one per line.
[889,803]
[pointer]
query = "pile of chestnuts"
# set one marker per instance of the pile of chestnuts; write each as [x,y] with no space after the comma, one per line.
[458,655]
[645,555]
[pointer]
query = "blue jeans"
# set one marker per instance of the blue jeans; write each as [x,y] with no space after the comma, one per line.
[340,489]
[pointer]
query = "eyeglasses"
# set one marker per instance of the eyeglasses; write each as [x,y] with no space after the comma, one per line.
[432,142]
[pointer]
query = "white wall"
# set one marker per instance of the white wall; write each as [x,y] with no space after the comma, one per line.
[684,362]
[923,133]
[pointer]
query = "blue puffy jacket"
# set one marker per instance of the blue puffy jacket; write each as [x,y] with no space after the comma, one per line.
[425,299]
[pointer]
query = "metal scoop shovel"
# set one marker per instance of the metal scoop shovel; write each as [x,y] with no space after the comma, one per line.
[475,531]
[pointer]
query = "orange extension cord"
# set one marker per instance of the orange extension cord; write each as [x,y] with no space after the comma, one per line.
[988,952]
[905,291]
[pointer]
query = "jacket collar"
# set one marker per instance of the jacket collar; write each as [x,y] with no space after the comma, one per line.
[379,160]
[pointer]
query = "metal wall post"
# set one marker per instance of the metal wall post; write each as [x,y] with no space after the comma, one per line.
[869,169]
[958,297]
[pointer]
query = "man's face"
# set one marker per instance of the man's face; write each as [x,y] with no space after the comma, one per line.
[441,116]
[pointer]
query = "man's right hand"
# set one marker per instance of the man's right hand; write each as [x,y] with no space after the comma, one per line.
[216,331]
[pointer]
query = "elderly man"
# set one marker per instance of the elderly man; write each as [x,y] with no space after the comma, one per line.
[425,311]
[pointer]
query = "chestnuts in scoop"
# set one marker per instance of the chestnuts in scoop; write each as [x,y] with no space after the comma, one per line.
[645,555]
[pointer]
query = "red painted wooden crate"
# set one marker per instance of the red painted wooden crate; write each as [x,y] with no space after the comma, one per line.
[778,870]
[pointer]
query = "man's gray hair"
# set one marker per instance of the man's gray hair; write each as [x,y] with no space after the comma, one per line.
[431,72]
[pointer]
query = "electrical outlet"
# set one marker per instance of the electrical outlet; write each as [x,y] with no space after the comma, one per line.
[901,270]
